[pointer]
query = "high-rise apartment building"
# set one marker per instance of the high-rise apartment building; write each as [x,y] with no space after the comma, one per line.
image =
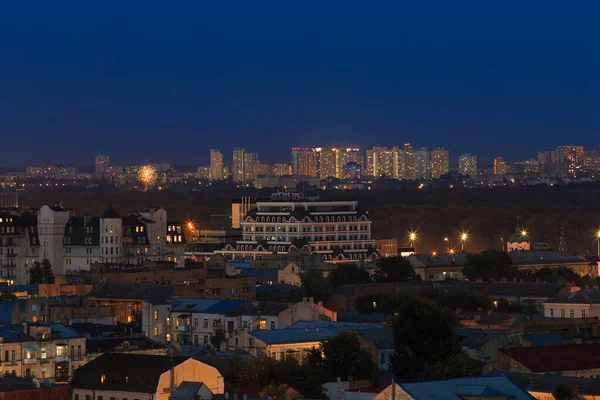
[423,164]
[383,161]
[305,162]
[238,165]
[408,163]
[348,156]
[440,162]
[216,165]
[467,165]
[250,161]
[282,169]
[499,166]
[570,160]
[327,162]
[101,163]
[591,161]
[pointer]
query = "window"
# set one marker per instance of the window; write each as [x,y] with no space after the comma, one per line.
[79,351]
[60,351]
[156,331]
[155,315]
[76,397]
[43,353]
[552,312]
[572,314]
[583,314]
[382,359]
[562,313]
[205,323]
[88,397]
[196,341]
[272,324]
[205,340]
[195,322]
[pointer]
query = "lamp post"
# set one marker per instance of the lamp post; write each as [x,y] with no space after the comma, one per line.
[447,242]
[598,238]
[412,236]
[463,239]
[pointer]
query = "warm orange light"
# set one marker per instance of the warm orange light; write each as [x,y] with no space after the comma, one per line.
[451,251]
[412,236]
[434,253]
[464,236]
[523,232]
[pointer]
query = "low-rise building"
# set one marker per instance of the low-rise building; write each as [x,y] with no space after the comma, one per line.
[135,376]
[43,351]
[579,360]
[584,303]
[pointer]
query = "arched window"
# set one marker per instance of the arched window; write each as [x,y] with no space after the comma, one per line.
[278,219]
[268,219]
[343,219]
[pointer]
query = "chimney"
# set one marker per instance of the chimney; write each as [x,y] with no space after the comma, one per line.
[86,219]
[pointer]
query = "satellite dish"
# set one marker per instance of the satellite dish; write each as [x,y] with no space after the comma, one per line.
[36,382]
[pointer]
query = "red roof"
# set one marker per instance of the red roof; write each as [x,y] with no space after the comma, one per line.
[556,358]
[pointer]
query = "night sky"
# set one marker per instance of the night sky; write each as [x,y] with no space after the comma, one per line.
[164,82]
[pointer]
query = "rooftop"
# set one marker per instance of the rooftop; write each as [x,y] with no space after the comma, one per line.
[569,357]
[583,296]
[544,257]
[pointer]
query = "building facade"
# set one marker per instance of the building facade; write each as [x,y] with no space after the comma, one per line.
[216,165]
[467,165]
[440,162]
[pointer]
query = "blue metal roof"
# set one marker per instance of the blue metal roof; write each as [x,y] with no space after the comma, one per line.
[456,389]
[240,265]
[193,305]
[224,306]
[276,288]
[281,336]
[544,339]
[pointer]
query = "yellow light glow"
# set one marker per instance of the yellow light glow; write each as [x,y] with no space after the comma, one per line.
[412,236]
[523,232]
[434,253]
[464,236]
[451,251]
[598,234]
[147,176]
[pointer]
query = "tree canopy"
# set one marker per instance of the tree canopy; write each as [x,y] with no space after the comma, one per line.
[350,274]
[489,265]
[424,334]
[566,392]
[315,285]
[41,272]
[394,269]
[344,357]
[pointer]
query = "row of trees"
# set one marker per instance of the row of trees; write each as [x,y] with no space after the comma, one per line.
[496,265]
[338,356]
[388,269]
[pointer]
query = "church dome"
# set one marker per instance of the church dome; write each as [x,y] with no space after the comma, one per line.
[518,236]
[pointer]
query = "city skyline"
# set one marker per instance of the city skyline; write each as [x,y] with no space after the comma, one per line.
[291,74]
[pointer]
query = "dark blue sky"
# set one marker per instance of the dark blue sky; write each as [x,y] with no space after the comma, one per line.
[165,82]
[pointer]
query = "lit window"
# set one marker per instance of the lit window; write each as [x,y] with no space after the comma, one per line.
[155,314]
[102,378]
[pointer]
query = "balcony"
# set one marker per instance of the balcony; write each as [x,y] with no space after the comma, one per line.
[61,359]
[184,328]
[30,361]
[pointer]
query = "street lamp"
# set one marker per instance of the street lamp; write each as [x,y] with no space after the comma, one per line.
[463,239]
[598,237]
[412,236]
[524,233]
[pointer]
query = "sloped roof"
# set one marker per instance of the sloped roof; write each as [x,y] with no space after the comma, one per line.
[556,358]
[155,294]
[383,338]
[540,289]
[291,335]
[545,339]
[475,338]
[455,389]
[544,257]
[186,390]
[258,308]
[124,372]
[110,213]
[260,273]
[583,296]
[586,386]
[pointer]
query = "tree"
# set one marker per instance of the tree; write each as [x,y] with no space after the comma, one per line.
[41,272]
[394,269]
[379,302]
[350,274]
[424,334]
[489,265]
[566,392]
[314,285]
[277,392]
[343,357]
[455,366]
[217,338]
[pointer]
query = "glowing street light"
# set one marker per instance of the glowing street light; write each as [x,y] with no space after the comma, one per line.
[434,253]
[524,233]
[463,239]
[412,236]
[598,237]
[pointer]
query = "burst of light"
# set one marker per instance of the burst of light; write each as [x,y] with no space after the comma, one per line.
[523,232]
[598,234]
[147,176]
[451,251]
[434,253]
[412,236]
[464,236]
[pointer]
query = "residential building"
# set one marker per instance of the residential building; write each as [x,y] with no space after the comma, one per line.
[337,230]
[472,388]
[137,376]
[305,162]
[591,161]
[51,225]
[408,163]
[282,169]
[203,172]
[578,360]
[238,166]
[584,303]
[423,164]
[101,163]
[43,351]
[440,162]
[383,161]
[467,165]
[281,343]
[251,166]
[571,160]
[216,165]
[66,172]
[499,166]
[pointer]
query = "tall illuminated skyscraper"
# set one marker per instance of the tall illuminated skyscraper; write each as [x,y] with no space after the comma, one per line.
[423,164]
[101,163]
[408,163]
[305,162]
[499,166]
[238,165]
[440,162]
[250,161]
[216,165]
[327,162]
[383,161]
[467,165]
